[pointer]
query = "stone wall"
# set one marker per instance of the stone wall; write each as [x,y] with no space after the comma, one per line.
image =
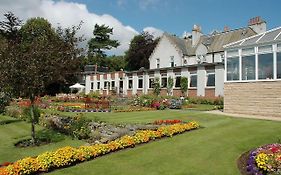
[255,98]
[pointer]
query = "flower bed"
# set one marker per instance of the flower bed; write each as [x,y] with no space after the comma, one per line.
[265,160]
[160,122]
[134,109]
[68,156]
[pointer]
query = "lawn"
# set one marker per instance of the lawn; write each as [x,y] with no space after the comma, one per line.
[213,149]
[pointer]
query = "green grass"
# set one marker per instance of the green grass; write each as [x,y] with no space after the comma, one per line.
[13,132]
[212,150]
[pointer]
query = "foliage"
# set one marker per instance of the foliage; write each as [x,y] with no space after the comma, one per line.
[100,42]
[204,100]
[76,126]
[170,85]
[157,87]
[35,42]
[265,160]
[27,114]
[175,104]
[184,85]
[5,99]
[140,49]
[67,156]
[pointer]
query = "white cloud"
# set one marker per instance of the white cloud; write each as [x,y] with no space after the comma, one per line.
[144,4]
[153,31]
[68,14]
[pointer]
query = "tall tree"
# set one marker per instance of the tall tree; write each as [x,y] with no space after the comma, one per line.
[42,56]
[99,43]
[140,49]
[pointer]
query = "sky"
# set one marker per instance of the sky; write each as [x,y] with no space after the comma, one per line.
[131,17]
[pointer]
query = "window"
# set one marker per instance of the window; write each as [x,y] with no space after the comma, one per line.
[140,85]
[193,79]
[92,85]
[98,85]
[157,63]
[248,51]
[151,82]
[130,84]
[232,68]
[172,61]
[112,84]
[265,66]
[178,82]
[105,85]
[267,48]
[232,53]
[164,82]
[211,78]
[249,67]
[279,65]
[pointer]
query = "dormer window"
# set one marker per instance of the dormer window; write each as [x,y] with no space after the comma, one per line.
[157,63]
[172,61]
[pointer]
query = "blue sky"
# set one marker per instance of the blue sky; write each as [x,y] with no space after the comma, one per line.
[130,17]
[177,16]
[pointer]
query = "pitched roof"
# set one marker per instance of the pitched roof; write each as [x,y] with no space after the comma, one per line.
[214,42]
[273,35]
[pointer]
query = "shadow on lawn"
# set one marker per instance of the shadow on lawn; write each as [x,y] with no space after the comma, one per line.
[4,122]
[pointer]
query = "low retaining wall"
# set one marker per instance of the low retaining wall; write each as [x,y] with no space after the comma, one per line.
[255,98]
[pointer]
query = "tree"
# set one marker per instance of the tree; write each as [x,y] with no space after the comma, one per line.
[140,49]
[116,63]
[41,56]
[184,85]
[156,87]
[170,85]
[100,42]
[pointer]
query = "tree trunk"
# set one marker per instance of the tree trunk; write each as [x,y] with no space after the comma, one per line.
[32,99]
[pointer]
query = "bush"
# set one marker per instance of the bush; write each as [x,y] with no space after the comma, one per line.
[203,100]
[15,112]
[5,99]
[27,113]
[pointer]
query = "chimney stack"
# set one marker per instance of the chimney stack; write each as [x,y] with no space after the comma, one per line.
[226,29]
[257,24]
[196,34]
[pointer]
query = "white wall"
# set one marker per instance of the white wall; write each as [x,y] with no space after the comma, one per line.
[219,73]
[201,81]
[164,50]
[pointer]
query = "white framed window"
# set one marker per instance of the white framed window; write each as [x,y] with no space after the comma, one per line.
[278,65]
[193,80]
[178,82]
[157,63]
[130,83]
[249,67]
[172,61]
[232,69]
[164,82]
[248,51]
[265,66]
[140,82]
[211,78]
[151,83]
[232,53]
[266,48]
[98,85]
[112,85]
[92,85]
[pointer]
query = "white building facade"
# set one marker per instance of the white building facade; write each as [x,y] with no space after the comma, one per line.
[198,57]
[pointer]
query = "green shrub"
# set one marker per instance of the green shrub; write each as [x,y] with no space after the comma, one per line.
[15,112]
[27,113]
[5,99]
[208,101]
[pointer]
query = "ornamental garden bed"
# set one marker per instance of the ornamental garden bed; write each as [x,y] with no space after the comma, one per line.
[265,160]
[68,156]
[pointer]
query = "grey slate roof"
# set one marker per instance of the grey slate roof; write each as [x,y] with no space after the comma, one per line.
[270,36]
[214,42]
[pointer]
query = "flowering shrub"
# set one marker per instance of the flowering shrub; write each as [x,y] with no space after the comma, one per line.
[160,122]
[265,160]
[67,156]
